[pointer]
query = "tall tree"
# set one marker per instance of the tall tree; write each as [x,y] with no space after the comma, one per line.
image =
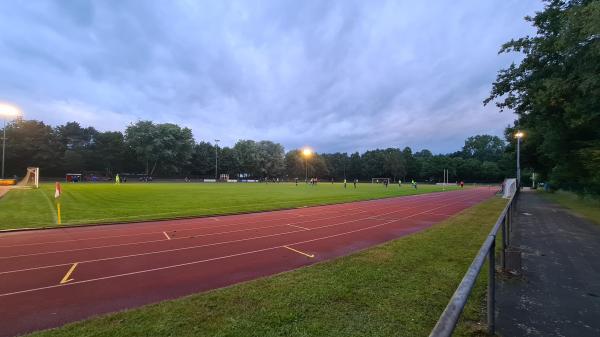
[167,144]
[555,91]
[32,143]
[483,148]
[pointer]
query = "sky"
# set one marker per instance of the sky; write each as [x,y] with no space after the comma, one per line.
[334,75]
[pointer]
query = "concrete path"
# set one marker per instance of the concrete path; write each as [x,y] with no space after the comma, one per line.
[3,190]
[558,293]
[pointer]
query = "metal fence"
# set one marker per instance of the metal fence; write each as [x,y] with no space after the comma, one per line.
[447,322]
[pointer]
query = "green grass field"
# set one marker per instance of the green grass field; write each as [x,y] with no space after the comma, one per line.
[396,289]
[105,203]
[584,206]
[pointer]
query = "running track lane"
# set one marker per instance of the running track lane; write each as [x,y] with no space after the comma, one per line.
[109,268]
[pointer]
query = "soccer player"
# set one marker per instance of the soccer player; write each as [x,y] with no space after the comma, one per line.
[344,182]
[355,182]
[414,183]
[462,184]
[399,183]
[117,179]
[386,182]
[296,180]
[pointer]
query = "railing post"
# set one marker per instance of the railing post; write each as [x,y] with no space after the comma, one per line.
[504,242]
[491,292]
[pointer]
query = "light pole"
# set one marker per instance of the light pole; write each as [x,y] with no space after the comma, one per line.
[7,111]
[217,159]
[307,152]
[519,135]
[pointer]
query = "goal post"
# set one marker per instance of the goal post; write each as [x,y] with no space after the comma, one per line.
[31,179]
[509,187]
[380,180]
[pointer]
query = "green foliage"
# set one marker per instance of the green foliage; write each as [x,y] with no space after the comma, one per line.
[555,91]
[166,144]
[168,150]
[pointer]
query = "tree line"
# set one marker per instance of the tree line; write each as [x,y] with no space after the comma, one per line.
[555,91]
[169,150]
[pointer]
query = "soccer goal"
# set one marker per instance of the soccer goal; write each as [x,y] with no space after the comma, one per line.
[32,178]
[380,180]
[509,187]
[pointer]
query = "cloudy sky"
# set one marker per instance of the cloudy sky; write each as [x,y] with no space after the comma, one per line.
[337,75]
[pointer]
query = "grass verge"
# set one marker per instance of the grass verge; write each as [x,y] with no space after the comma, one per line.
[108,203]
[396,289]
[587,207]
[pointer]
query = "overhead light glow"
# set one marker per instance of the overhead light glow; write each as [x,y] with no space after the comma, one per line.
[9,111]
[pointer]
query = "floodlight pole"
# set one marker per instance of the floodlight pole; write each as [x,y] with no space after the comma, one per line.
[217,159]
[306,168]
[3,146]
[518,162]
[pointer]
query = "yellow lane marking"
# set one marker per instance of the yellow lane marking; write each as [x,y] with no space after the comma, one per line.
[167,235]
[68,274]
[299,252]
[298,227]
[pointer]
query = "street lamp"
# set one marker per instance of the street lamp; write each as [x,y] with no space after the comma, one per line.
[7,111]
[306,152]
[519,135]
[217,159]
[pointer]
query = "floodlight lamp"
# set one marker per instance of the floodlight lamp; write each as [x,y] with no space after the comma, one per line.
[519,134]
[307,152]
[9,111]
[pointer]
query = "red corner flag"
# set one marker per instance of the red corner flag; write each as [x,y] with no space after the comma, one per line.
[57,190]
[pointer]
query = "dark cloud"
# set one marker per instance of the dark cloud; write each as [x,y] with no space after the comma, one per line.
[338,75]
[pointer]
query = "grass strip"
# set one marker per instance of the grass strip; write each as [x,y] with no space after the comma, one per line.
[88,203]
[585,206]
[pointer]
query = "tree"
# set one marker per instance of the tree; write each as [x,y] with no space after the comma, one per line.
[202,161]
[270,158]
[107,152]
[394,164]
[168,144]
[555,91]
[247,153]
[32,143]
[483,147]
[337,163]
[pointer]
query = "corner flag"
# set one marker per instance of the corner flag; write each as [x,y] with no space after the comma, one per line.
[57,190]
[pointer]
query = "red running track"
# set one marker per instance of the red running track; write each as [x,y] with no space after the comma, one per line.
[51,277]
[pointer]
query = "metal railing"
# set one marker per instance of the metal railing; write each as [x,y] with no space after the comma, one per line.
[447,321]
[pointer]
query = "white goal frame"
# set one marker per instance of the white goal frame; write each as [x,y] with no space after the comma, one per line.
[380,180]
[32,178]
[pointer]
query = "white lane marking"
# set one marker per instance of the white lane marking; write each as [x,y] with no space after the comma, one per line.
[180,238]
[300,252]
[167,235]
[289,224]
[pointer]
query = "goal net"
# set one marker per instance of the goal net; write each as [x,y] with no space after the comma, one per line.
[380,180]
[32,178]
[509,187]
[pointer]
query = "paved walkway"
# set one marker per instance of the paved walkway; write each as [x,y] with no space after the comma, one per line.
[3,190]
[559,291]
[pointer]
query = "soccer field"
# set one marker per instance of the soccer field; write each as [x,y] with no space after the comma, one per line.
[105,203]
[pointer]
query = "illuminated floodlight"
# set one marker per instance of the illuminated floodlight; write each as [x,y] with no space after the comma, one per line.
[9,111]
[307,152]
[519,134]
